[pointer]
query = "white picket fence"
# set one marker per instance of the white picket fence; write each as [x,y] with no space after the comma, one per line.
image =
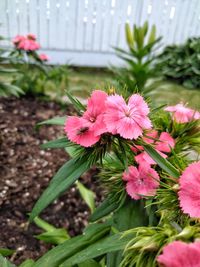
[83,32]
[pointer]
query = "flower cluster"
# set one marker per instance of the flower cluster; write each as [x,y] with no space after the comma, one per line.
[162,143]
[109,114]
[27,43]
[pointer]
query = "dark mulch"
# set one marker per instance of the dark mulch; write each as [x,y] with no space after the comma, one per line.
[25,172]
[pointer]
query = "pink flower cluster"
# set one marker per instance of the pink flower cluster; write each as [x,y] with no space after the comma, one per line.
[109,114]
[180,254]
[182,114]
[27,43]
[163,144]
[145,180]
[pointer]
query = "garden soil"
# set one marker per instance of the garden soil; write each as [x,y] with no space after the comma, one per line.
[25,171]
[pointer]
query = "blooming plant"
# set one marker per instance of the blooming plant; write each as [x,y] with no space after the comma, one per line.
[31,65]
[151,203]
[139,58]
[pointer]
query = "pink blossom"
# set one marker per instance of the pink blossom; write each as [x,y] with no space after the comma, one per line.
[43,57]
[78,131]
[95,112]
[17,39]
[144,157]
[189,192]
[141,181]
[127,120]
[182,114]
[180,254]
[164,144]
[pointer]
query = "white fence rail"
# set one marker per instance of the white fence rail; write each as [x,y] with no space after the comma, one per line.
[83,32]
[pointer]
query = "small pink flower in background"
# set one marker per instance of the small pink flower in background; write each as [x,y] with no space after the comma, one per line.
[127,120]
[164,144]
[180,254]
[189,192]
[27,43]
[43,57]
[78,131]
[182,114]
[141,181]
[18,39]
[95,112]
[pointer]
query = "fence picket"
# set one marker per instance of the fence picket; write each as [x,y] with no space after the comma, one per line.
[84,31]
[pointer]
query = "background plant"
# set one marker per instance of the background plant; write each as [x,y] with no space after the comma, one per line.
[181,63]
[139,58]
[6,74]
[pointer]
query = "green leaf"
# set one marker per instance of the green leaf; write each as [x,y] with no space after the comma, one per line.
[43,224]
[5,263]
[87,195]
[108,244]
[163,163]
[57,255]
[54,121]
[56,236]
[27,263]
[63,179]
[58,143]
[132,214]
[89,263]
[106,207]
[6,252]
[76,103]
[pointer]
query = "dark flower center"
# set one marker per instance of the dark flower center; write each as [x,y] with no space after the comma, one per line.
[82,130]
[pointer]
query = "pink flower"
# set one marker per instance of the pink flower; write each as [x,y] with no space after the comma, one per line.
[180,254]
[182,114]
[78,131]
[127,120]
[164,144]
[144,157]
[17,39]
[43,57]
[141,181]
[189,192]
[95,112]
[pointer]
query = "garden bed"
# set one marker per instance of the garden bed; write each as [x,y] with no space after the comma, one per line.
[25,172]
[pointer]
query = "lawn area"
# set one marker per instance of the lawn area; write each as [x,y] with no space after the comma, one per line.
[82,81]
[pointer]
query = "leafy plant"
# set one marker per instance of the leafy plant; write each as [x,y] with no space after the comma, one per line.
[139,58]
[6,86]
[181,63]
[122,231]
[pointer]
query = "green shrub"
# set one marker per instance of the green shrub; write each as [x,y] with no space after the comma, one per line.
[181,63]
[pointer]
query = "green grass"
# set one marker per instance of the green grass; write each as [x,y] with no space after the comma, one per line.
[82,82]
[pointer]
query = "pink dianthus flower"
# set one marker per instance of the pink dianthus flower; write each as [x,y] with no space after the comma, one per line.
[127,120]
[164,144]
[141,181]
[180,254]
[95,112]
[78,131]
[182,114]
[189,192]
